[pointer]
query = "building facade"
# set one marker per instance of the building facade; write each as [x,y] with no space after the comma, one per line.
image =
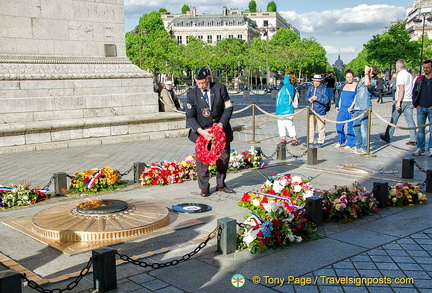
[230,24]
[417,19]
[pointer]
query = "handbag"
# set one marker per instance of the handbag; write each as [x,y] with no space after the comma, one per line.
[295,101]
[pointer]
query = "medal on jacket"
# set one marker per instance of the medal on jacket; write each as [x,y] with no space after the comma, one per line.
[206,112]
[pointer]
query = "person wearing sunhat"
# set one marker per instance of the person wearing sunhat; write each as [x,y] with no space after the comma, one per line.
[317,97]
[169,99]
[209,104]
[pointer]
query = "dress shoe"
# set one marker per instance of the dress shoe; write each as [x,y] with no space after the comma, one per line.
[411,143]
[225,189]
[204,192]
[383,137]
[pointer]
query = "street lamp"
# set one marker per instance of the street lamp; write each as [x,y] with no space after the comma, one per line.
[140,35]
[266,28]
[419,20]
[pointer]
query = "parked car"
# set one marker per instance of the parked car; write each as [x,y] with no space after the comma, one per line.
[302,89]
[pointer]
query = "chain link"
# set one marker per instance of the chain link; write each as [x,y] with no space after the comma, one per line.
[128,171]
[49,183]
[174,262]
[70,286]
[418,166]
[296,156]
[271,156]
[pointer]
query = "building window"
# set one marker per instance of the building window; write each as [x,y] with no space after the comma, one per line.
[239,37]
[179,40]
[219,37]
[200,37]
[209,39]
[187,39]
[219,23]
[265,22]
[230,36]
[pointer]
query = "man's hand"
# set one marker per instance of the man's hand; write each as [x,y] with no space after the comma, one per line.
[312,99]
[398,105]
[205,133]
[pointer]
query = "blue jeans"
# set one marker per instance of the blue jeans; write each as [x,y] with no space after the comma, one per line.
[360,127]
[422,114]
[407,111]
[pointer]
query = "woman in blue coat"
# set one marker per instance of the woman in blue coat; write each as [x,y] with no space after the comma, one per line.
[284,100]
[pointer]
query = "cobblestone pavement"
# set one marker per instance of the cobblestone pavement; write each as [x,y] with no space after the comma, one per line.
[391,250]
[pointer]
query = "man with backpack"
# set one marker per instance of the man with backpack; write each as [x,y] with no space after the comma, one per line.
[422,101]
[318,100]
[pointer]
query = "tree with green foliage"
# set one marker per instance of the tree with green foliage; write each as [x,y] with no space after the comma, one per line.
[252,6]
[163,11]
[185,9]
[358,64]
[271,7]
[230,56]
[386,48]
[151,44]
[197,53]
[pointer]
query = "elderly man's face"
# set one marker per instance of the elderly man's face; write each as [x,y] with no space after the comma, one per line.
[168,86]
[316,83]
[202,83]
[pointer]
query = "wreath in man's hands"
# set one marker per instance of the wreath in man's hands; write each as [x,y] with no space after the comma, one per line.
[208,151]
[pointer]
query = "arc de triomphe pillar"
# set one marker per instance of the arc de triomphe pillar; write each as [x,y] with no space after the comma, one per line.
[65,77]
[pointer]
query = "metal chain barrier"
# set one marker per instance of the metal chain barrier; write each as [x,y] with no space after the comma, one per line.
[296,156]
[49,183]
[128,171]
[174,262]
[70,286]
[271,156]
[422,185]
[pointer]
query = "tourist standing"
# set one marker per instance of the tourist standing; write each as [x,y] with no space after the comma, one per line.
[362,102]
[316,95]
[284,106]
[422,101]
[380,88]
[403,104]
[345,100]
[330,82]
[392,85]
[170,101]
[208,103]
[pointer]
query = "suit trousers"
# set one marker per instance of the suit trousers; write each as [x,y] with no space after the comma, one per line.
[221,169]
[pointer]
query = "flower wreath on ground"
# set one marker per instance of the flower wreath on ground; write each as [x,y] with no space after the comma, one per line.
[277,217]
[172,172]
[404,194]
[21,195]
[208,151]
[345,204]
[96,180]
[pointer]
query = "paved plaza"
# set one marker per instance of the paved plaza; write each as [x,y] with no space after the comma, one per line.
[391,250]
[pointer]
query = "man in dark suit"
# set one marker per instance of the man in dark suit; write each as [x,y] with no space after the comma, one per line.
[209,103]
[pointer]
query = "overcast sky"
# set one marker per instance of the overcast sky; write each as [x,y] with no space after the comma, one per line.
[340,26]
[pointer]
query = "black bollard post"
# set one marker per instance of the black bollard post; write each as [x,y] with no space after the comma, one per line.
[314,210]
[104,269]
[312,156]
[429,180]
[10,281]
[281,152]
[138,169]
[60,183]
[380,191]
[227,240]
[408,168]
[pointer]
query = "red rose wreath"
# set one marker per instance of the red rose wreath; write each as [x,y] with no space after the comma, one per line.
[208,151]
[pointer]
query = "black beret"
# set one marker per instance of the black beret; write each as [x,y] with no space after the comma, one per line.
[201,73]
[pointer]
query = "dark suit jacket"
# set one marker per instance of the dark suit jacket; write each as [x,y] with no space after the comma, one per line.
[199,115]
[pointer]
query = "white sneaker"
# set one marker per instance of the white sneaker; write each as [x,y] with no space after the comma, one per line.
[354,149]
[348,147]
[360,151]
[338,145]
[418,152]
